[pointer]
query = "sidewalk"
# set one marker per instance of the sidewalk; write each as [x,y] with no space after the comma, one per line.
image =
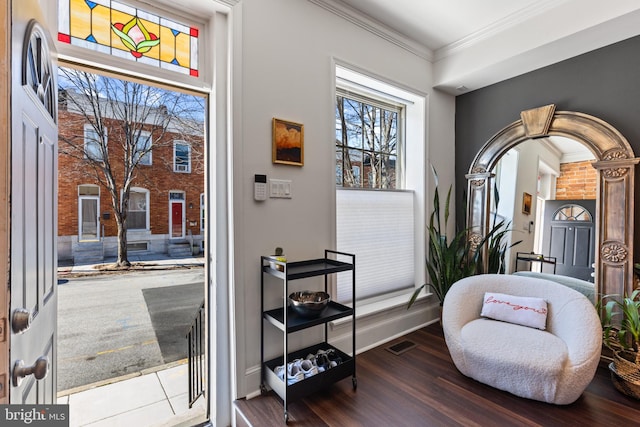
[145,261]
[147,399]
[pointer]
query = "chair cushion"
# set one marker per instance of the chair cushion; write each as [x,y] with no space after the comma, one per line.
[525,311]
[582,286]
[524,361]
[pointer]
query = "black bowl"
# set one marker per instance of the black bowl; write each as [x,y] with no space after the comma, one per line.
[309,303]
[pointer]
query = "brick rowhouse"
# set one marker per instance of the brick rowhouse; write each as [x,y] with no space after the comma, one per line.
[158,178]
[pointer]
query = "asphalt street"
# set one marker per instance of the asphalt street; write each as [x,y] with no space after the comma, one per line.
[116,324]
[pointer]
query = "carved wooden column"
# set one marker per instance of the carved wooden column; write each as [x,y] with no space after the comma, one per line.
[478,208]
[615,207]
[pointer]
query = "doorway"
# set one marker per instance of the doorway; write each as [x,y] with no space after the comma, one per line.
[89,218]
[176,218]
[205,15]
[569,236]
[144,316]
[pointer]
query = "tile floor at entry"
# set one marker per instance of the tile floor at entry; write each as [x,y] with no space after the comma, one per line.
[155,399]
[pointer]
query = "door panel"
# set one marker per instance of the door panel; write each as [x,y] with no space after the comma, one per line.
[33,254]
[570,241]
[177,229]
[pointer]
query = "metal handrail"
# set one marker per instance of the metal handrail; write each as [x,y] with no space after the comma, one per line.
[197,367]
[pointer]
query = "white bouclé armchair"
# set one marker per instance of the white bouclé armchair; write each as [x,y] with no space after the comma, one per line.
[554,365]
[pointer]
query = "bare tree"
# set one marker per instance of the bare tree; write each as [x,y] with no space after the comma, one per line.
[127,121]
[369,140]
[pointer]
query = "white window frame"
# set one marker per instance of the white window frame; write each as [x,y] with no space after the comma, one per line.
[203,217]
[147,208]
[88,128]
[176,166]
[411,175]
[146,138]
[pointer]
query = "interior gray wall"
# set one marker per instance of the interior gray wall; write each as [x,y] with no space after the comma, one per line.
[604,83]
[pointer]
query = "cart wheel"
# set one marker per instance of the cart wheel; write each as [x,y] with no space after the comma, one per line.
[355,382]
[263,389]
[286,417]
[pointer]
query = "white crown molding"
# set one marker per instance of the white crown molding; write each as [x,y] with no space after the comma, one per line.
[508,21]
[577,156]
[363,21]
[229,3]
[549,146]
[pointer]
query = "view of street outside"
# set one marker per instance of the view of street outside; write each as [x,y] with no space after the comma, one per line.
[112,324]
[131,218]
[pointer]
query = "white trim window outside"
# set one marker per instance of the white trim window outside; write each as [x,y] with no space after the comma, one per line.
[143,149]
[138,214]
[92,145]
[181,157]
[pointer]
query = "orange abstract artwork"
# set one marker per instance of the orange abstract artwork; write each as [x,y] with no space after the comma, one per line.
[288,142]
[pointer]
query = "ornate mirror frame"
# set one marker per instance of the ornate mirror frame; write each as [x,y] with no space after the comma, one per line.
[615,164]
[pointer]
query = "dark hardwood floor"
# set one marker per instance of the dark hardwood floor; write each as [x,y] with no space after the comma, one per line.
[422,387]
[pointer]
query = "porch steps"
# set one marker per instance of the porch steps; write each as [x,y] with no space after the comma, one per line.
[88,253]
[179,250]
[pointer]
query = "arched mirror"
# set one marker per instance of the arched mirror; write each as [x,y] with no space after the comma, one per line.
[544,192]
[614,163]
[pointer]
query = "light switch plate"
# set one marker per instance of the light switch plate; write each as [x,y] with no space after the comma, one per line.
[280,188]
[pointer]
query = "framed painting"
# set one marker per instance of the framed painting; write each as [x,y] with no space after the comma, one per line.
[526,203]
[288,142]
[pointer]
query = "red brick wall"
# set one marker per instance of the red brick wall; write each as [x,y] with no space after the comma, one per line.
[577,181]
[158,178]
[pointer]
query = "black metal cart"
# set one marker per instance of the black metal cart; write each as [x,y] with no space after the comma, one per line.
[288,321]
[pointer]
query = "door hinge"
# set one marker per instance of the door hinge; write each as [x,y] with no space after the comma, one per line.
[3,386]
[3,329]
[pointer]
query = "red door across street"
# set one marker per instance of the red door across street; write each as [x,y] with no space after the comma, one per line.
[176,220]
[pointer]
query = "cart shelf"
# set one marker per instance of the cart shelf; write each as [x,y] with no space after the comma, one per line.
[296,322]
[308,385]
[310,268]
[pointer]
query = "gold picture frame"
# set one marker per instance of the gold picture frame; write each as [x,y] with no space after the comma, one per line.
[526,203]
[288,142]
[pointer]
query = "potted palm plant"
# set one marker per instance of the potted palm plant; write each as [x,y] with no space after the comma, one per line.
[449,259]
[621,334]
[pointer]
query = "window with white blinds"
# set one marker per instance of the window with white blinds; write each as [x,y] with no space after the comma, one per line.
[377,226]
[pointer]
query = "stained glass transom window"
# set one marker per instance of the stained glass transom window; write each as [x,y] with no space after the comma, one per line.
[127,32]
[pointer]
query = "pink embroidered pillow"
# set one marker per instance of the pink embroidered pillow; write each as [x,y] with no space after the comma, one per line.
[525,311]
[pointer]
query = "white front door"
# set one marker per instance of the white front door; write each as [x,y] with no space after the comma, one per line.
[33,208]
[89,218]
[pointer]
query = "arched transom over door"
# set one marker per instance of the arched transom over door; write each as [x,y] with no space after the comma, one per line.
[615,163]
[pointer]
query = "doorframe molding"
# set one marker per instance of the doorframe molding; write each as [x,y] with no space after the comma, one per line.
[184,214]
[81,217]
[615,164]
[5,182]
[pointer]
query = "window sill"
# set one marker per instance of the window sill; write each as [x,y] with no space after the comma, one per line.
[365,309]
